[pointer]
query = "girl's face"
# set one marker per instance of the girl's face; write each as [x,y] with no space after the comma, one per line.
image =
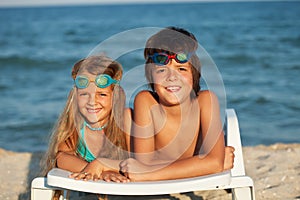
[94,103]
[173,82]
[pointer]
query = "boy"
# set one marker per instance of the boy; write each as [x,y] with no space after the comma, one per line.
[178,131]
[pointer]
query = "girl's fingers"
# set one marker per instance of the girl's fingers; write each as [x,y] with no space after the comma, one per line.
[87,177]
[81,176]
[95,177]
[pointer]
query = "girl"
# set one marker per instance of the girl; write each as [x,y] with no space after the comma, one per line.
[178,131]
[92,133]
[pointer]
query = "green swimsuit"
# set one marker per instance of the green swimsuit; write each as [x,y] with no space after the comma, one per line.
[83,149]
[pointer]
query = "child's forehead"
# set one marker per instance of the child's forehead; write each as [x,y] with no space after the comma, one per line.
[172,63]
[86,74]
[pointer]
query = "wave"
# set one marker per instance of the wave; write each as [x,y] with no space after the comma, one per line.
[16,61]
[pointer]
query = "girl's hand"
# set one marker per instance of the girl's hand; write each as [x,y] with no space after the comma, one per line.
[92,171]
[109,176]
[134,170]
[229,158]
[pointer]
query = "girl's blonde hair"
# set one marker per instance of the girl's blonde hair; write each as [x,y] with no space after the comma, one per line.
[66,129]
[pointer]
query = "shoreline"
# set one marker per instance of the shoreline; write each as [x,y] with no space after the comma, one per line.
[275,170]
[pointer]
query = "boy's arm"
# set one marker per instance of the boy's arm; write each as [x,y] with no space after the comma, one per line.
[143,130]
[128,128]
[197,165]
[211,126]
[211,156]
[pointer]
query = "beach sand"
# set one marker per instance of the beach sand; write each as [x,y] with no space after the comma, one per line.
[275,170]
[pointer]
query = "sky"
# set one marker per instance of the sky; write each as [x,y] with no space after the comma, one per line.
[14,3]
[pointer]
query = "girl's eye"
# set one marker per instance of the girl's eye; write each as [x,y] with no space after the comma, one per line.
[83,94]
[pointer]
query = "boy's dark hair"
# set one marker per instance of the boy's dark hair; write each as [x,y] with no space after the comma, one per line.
[172,40]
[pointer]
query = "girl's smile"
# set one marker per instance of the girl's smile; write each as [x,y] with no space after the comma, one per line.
[93,110]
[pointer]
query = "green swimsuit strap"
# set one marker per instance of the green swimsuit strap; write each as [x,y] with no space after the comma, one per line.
[83,149]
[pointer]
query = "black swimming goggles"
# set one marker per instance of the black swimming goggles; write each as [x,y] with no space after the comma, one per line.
[101,81]
[164,58]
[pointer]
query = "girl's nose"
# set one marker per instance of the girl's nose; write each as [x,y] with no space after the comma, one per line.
[92,99]
[93,95]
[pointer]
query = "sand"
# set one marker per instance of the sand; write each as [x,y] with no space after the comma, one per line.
[275,170]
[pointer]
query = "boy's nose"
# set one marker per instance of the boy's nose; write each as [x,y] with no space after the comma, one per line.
[172,75]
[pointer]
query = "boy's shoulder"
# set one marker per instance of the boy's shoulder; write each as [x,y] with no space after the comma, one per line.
[146,96]
[205,93]
[206,96]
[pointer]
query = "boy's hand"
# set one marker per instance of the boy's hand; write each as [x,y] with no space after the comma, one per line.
[229,158]
[134,170]
[109,176]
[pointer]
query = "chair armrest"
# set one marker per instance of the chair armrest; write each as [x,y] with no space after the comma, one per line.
[60,178]
[234,139]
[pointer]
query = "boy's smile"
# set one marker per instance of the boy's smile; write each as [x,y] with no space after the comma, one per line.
[173,82]
[173,88]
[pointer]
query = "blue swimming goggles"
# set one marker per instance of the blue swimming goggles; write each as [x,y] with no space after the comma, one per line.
[164,58]
[102,81]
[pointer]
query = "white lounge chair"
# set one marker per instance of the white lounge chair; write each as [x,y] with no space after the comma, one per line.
[241,185]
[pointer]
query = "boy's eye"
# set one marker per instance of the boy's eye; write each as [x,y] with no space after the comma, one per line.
[160,70]
[102,94]
[182,69]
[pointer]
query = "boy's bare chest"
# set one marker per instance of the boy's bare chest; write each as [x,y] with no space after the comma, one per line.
[177,138]
[176,133]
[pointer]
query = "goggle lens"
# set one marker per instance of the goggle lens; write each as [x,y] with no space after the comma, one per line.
[181,57]
[81,82]
[163,58]
[102,81]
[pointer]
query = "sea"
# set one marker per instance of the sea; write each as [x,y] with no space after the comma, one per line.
[254,46]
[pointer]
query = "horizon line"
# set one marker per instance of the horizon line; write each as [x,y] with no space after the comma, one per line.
[46,3]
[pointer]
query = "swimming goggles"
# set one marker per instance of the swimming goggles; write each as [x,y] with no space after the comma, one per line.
[164,58]
[101,81]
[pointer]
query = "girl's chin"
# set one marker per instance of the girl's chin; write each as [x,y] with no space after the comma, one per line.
[91,121]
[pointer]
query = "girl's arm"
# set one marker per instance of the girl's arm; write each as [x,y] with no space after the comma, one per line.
[99,165]
[82,169]
[66,159]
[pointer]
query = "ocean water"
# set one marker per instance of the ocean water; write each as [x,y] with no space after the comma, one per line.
[255,46]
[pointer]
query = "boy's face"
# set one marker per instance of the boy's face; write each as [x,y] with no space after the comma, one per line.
[173,82]
[94,103]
